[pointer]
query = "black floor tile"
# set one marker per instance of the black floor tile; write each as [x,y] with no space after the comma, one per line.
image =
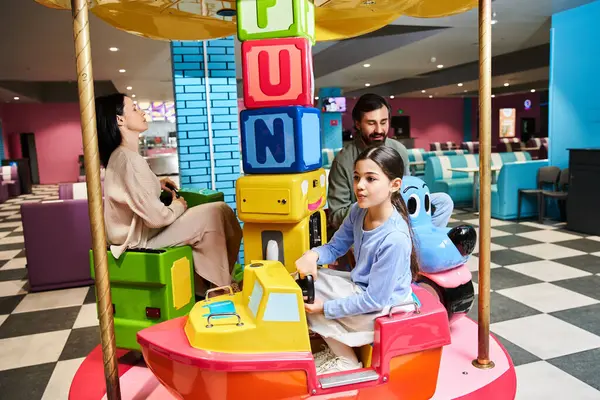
[586,285]
[81,342]
[583,366]
[21,254]
[9,303]
[511,241]
[585,245]
[465,216]
[503,309]
[511,257]
[13,274]
[518,355]
[586,262]
[25,383]
[11,246]
[516,228]
[22,324]
[587,317]
[91,296]
[15,234]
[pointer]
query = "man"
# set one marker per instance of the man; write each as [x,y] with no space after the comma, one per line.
[371,116]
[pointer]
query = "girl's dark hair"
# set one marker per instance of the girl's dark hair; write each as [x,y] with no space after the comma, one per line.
[367,103]
[392,165]
[109,135]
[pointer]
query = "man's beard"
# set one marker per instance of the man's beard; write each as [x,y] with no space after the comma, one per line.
[374,139]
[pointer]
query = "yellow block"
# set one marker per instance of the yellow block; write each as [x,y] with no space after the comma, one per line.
[182,282]
[280,198]
[292,239]
[271,315]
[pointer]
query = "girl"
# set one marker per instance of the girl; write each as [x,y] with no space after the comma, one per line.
[347,304]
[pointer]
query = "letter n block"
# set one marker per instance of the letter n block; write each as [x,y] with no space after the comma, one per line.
[277,73]
[280,140]
[270,19]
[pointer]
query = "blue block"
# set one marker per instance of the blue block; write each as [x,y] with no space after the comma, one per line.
[220,111]
[224,118]
[193,58]
[186,50]
[193,73]
[190,96]
[225,132]
[222,73]
[184,65]
[192,157]
[195,89]
[280,140]
[177,58]
[221,58]
[225,163]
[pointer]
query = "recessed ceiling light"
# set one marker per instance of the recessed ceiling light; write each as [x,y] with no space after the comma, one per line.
[16,98]
[423,91]
[133,96]
[494,21]
[367,84]
[430,96]
[493,96]
[129,88]
[532,90]
[366,65]
[316,97]
[135,102]
[460,85]
[507,84]
[114,49]
[440,66]
[392,96]
[122,71]
[465,90]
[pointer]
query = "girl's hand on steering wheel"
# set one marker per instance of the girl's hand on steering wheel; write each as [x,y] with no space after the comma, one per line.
[315,308]
[164,184]
[307,264]
[180,199]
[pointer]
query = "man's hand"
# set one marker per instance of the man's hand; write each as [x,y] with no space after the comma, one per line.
[164,182]
[315,308]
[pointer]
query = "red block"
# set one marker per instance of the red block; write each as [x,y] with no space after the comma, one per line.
[277,73]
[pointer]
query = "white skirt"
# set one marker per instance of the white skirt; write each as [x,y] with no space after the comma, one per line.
[353,331]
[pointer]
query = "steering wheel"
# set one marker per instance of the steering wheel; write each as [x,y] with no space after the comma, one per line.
[307,284]
[166,198]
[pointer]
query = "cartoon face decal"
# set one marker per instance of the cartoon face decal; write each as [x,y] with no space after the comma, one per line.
[417,199]
[315,191]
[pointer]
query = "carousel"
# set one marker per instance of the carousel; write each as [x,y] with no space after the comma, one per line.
[255,342]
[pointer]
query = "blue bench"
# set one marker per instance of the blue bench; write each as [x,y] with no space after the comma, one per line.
[459,185]
[505,193]
[328,155]
[421,155]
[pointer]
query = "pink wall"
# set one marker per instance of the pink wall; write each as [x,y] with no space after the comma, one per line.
[431,120]
[57,129]
[516,101]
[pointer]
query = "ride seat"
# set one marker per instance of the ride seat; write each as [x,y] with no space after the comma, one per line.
[148,286]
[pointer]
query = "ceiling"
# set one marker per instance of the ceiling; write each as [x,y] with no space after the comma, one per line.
[37,60]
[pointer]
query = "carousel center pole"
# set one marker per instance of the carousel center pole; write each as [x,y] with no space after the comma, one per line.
[85,80]
[485,138]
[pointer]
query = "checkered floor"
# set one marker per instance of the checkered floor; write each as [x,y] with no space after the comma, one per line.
[545,310]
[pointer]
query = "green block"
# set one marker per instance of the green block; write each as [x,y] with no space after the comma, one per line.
[272,19]
[161,279]
[194,197]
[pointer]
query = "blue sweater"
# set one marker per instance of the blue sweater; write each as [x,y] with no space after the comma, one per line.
[382,263]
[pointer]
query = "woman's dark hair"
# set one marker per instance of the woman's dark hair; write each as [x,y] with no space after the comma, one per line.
[392,165]
[367,103]
[109,135]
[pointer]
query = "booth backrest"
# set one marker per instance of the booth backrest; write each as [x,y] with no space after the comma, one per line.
[437,168]
[328,156]
[74,191]
[471,147]
[10,173]
[437,146]
[519,175]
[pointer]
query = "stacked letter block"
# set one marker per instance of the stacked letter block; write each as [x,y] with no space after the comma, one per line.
[282,195]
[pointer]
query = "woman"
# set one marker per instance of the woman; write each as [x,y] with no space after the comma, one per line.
[134,215]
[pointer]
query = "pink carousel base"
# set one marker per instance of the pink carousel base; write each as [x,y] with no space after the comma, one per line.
[458,378]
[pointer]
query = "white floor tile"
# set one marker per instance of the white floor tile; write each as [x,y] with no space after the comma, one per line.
[546,336]
[53,299]
[540,380]
[548,251]
[12,239]
[19,229]
[498,233]
[23,351]
[60,381]
[10,224]
[8,213]
[8,254]
[12,288]
[596,238]
[548,271]
[548,236]
[15,263]
[4,234]
[473,264]
[2,319]
[547,297]
[88,316]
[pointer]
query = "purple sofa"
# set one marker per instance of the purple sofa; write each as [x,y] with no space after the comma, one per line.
[57,241]
[9,176]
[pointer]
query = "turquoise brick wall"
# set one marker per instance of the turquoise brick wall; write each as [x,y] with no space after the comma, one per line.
[200,114]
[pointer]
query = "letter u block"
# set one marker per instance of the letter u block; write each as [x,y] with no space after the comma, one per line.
[270,19]
[277,73]
[280,140]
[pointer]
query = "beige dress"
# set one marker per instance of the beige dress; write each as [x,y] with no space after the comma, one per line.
[136,218]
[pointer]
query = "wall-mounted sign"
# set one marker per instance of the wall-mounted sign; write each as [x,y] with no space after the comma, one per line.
[333,122]
[527,104]
[508,119]
[400,111]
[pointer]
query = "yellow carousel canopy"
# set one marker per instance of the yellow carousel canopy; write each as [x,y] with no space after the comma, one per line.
[211,19]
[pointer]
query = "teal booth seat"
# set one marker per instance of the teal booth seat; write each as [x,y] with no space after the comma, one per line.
[328,156]
[423,155]
[505,193]
[459,185]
